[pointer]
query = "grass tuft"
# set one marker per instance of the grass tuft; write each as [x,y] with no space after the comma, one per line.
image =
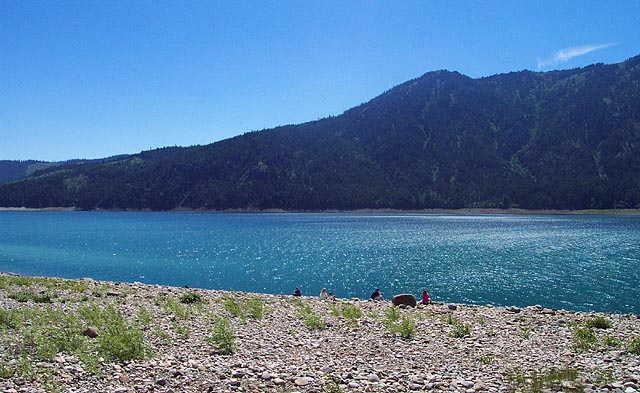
[584,338]
[222,337]
[598,322]
[191,298]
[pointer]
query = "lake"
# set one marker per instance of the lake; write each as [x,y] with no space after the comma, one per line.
[577,262]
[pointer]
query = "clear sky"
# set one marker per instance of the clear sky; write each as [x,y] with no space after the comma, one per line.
[94,78]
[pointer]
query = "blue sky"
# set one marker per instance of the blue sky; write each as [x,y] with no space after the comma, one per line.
[89,79]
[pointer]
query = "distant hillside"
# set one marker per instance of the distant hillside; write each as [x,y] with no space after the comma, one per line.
[557,140]
[14,170]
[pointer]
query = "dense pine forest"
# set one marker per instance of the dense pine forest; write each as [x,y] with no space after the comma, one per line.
[555,140]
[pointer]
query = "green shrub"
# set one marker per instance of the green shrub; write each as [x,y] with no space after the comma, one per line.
[243,309]
[392,314]
[450,319]
[553,380]
[26,295]
[144,316]
[402,325]
[255,308]
[461,330]
[180,310]
[191,298]
[611,341]
[222,337]
[332,386]
[598,322]
[314,321]
[181,329]
[9,319]
[584,338]
[232,306]
[351,311]
[51,331]
[119,340]
[525,332]
[634,345]
[487,360]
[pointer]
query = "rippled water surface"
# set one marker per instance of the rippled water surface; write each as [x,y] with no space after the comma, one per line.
[575,262]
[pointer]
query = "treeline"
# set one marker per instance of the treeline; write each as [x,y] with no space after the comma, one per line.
[557,140]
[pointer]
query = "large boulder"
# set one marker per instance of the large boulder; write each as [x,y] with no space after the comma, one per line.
[404,298]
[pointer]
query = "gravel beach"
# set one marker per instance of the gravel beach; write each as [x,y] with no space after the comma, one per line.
[55,336]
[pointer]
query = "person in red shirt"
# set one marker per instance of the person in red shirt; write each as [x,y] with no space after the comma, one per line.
[425,297]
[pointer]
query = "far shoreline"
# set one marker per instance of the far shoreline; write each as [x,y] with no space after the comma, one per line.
[463,211]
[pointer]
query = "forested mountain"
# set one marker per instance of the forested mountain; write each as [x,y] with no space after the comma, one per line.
[556,140]
[14,170]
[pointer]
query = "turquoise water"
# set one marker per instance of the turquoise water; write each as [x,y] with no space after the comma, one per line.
[561,261]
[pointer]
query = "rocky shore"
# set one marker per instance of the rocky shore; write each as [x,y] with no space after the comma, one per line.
[90,336]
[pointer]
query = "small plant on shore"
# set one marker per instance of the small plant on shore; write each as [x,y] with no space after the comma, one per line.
[314,321]
[598,322]
[180,310]
[634,345]
[540,382]
[525,332]
[9,319]
[461,330]
[6,372]
[145,318]
[181,329]
[255,308]
[191,297]
[450,319]
[351,311]
[118,339]
[222,337]
[584,338]
[487,360]
[332,386]
[611,341]
[392,314]
[243,309]
[396,323]
[26,295]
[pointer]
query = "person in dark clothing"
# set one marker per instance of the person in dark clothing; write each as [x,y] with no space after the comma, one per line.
[377,295]
[297,292]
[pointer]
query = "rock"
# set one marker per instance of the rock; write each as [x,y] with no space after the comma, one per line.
[452,307]
[353,385]
[513,309]
[373,378]
[161,381]
[303,381]
[90,332]
[124,378]
[466,384]
[406,299]
[279,381]
[265,375]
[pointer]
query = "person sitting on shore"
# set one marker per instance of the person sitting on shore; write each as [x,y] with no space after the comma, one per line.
[377,295]
[425,297]
[297,292]
[323,294]
[332,296]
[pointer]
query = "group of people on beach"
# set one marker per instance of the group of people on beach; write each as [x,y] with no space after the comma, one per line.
[376,295]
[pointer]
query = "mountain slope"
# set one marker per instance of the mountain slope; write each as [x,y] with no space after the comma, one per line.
[562,140]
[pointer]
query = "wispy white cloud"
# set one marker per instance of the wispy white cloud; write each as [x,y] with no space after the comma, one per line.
[567,54]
